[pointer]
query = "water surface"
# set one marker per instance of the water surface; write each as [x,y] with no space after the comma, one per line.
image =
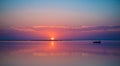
[59,53]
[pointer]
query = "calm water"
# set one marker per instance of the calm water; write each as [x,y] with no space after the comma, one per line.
[59,53]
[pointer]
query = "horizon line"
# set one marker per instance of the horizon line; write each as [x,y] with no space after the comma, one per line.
[61,40]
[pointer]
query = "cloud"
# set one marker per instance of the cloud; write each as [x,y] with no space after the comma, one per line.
[66,28]
[61,32]
[22,29]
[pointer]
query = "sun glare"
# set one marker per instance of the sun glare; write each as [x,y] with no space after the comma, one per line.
[52,38]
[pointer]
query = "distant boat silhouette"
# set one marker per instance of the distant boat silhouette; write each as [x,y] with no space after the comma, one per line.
[97,42]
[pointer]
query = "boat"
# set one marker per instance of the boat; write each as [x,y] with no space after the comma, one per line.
[97,42]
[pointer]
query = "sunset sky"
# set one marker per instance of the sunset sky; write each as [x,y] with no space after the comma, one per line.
[61,19]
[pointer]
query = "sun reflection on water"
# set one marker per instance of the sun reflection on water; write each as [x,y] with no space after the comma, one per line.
[56,48]
[52,44]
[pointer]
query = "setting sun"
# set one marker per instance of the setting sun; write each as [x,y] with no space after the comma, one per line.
[52,38]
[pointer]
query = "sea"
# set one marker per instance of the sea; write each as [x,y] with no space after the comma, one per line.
[60,53]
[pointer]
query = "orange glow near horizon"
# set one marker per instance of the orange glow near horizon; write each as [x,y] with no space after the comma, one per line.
[52,38]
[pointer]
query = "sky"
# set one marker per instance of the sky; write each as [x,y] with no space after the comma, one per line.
[62,19]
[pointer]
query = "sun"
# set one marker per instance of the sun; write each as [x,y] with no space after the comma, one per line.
[52,38]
